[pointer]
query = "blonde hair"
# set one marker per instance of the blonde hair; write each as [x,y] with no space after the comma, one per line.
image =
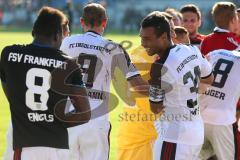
[223,13]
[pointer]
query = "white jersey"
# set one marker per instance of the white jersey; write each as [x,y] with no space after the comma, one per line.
[183,66]
[98,58]
[218,104]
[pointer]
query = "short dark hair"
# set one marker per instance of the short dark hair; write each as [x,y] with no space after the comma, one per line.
[223,13]
[158,21]
[49,22]
[94,14]
[191,8]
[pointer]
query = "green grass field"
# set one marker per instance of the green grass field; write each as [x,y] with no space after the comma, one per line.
[9,38]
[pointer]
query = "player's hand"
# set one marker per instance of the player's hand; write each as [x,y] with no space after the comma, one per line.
[157,108]
[202,88]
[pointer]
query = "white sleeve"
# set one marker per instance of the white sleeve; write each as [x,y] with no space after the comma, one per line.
[206,67]
[206,70]
[122,60]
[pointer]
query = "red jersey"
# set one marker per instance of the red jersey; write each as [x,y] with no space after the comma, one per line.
[219,39]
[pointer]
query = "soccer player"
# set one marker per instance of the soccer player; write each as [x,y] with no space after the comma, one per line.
[224,37]
[98,58]
[28,75]
[136,136]
[192,21]
[182,35]
[218,106]
[173,86]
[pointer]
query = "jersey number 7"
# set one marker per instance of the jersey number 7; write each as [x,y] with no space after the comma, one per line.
[88,64]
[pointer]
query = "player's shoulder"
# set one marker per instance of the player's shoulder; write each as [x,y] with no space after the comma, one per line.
[217,51]
[223,52]
[72,38]
[114,47]
[236,53]
[186,48]
[188,51]
[111,43]
[201,36]
[210,37]
[12,48]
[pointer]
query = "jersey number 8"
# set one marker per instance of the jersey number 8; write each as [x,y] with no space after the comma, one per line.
[221,71]
[37,90]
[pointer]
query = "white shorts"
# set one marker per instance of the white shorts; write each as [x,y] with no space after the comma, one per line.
[9,148]
[40,153]
[164,150]
[90,141]
[174,151]
[219,140]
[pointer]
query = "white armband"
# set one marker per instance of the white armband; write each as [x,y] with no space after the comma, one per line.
[156,94]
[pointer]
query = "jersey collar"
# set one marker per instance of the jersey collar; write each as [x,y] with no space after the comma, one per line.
[165,55]
[217,29]
[41,45]
[91,31]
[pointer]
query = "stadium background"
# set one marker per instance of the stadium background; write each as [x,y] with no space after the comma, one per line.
[17,17]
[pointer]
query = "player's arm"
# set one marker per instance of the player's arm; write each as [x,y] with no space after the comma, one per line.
[206,72]
[207,77]
[206,68]
[156,92]
[123,62]
[81,105]
[139,85]
[207,80]
[79,99]
[2,72]
[69,82]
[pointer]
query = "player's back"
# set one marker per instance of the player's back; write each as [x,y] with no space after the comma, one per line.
[26,72]
[218,104]
[94,55]
[183,67]
[98,58]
